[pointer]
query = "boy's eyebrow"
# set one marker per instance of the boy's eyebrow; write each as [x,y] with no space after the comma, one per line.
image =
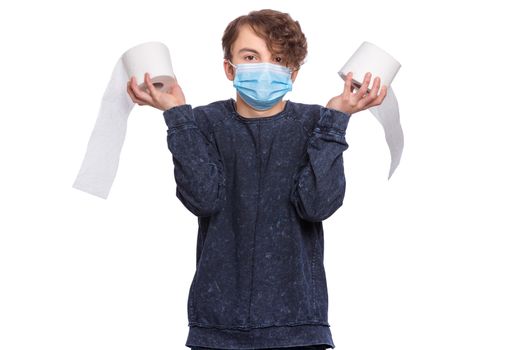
[247,49]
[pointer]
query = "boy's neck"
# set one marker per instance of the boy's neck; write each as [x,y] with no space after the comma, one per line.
[248,112]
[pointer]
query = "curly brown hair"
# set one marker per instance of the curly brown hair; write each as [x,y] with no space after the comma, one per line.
[283,35]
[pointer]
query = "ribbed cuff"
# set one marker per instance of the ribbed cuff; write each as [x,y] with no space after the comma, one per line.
[333,121]
[178,115]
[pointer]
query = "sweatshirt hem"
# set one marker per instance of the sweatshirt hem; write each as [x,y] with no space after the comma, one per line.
[260,338]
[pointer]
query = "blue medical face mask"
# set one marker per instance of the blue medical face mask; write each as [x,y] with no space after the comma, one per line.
[262,85]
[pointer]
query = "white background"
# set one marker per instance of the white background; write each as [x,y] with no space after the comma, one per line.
[431,259]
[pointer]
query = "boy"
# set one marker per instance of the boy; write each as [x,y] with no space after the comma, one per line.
[261,174]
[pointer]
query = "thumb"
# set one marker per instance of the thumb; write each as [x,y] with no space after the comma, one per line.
[174,90]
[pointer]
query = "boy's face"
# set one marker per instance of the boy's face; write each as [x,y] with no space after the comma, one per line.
[250,48]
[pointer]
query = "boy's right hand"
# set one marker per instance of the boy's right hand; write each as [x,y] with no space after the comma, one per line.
[153,97]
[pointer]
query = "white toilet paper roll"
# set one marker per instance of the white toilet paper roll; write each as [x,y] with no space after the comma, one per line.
[370,58]
[100,164]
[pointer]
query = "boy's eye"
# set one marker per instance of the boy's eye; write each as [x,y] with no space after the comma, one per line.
[249,58]
[278,59]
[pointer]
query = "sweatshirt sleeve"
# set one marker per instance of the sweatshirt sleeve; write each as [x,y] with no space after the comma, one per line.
[319,185]
[198,169]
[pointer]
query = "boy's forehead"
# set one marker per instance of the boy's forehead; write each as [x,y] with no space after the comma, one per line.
[247,39]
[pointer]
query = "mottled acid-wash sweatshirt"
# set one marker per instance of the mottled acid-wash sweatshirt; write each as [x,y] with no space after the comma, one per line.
[260,188]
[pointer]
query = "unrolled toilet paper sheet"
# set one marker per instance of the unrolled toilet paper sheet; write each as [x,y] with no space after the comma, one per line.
[98,170]
[101,161]
[387,113]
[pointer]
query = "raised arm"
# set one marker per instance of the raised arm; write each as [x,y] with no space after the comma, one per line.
[319,185]
[198,169]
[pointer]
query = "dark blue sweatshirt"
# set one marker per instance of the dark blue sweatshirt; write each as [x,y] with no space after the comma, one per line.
[260,188]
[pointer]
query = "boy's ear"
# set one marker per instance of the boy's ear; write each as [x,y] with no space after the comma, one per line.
[228,70]
[294,74]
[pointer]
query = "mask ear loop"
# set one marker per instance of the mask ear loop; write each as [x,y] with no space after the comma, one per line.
[233,65]
[234,102]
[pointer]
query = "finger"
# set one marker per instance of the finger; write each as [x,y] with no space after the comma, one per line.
[348,84]
[370,98]
[379,98]
[355,85]
[139,94]
[149,84]
[364,87]
[371,95]
[382,94]
[132,95]
[375,87]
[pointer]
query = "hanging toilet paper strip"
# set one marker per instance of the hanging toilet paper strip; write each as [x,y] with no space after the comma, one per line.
[100,164]
[370,58]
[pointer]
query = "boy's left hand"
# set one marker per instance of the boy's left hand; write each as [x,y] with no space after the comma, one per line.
[352,102]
